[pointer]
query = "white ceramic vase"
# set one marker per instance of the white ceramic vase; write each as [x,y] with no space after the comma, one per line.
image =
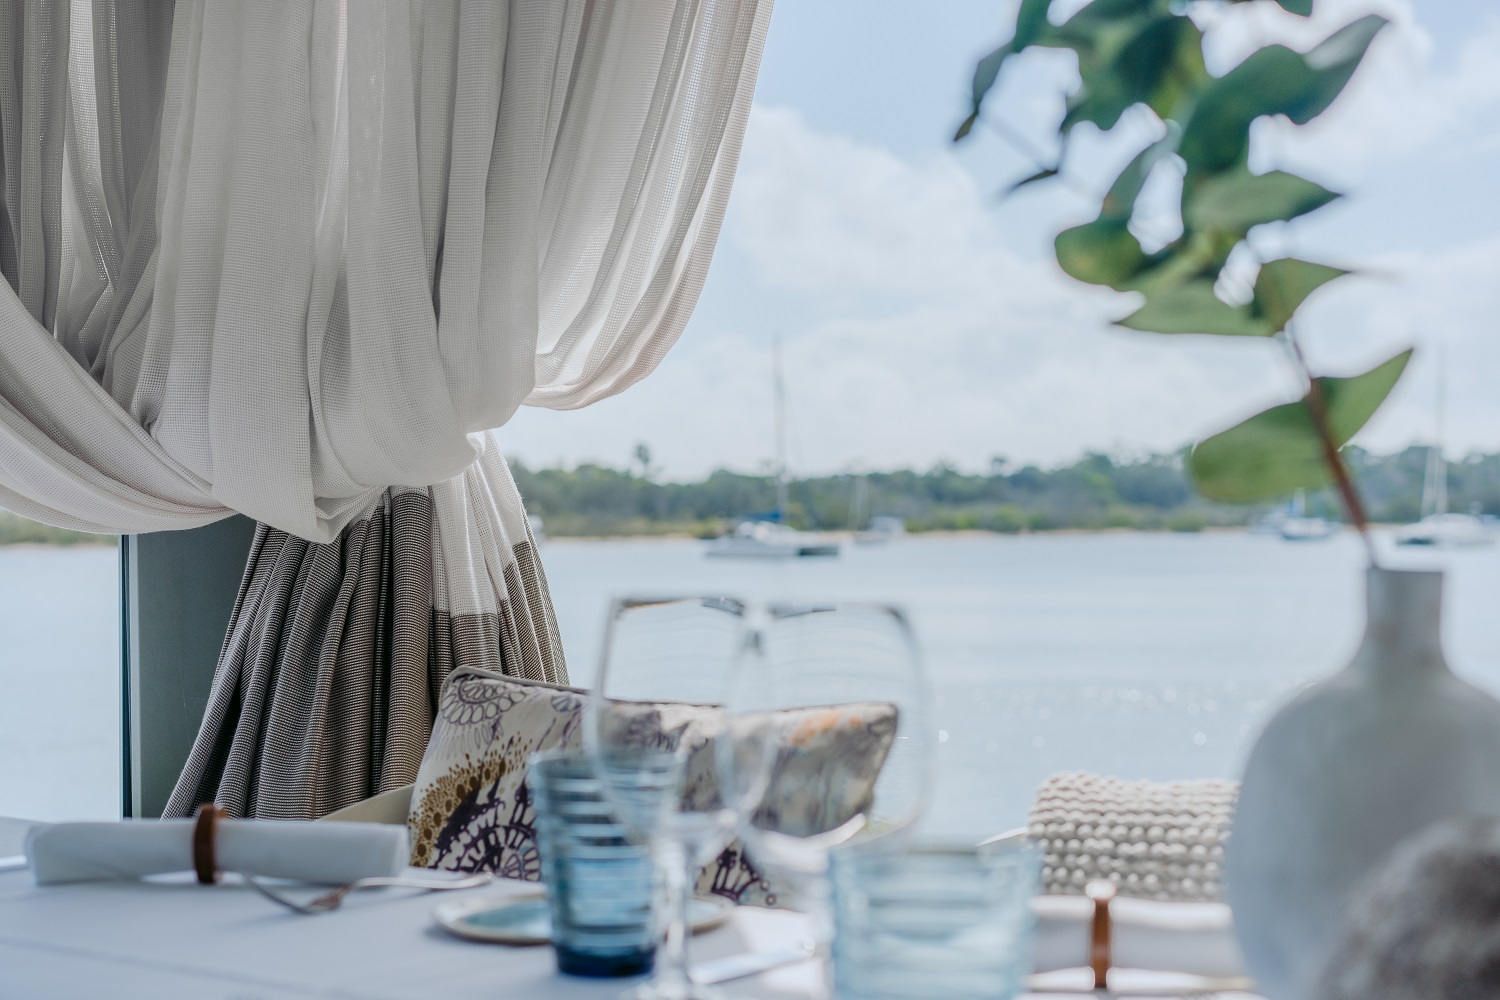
[1391,744]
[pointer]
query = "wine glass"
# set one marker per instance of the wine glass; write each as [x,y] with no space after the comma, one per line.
[650,726]
[827,739]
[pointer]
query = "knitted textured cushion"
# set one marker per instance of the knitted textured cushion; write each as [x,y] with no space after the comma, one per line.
[1154,840]
[471,810]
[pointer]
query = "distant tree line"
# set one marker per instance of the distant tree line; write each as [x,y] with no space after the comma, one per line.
[17,530]
[1096,492]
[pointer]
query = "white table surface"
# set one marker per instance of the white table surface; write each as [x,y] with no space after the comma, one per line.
[171,937]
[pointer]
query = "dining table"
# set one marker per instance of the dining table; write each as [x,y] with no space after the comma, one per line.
[169,936]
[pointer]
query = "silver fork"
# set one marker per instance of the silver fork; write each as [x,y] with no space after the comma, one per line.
[332,900]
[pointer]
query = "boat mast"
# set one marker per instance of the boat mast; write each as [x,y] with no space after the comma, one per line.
[1440,461]
[780,400]
[859,501]
[1435,481]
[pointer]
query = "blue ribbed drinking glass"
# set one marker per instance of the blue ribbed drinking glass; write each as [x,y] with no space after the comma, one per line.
[933,922]
[600,885]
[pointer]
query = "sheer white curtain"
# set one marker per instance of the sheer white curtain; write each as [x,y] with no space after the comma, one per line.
[292,259]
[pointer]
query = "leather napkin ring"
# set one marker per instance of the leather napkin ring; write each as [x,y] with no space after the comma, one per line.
[1100,943]
[205,860]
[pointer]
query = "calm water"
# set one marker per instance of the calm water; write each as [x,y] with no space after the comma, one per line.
[59,682]
[1146,656]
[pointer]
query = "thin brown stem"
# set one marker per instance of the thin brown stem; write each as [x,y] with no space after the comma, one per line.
[1317,411]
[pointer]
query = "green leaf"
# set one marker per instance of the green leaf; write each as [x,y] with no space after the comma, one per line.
[985,73]
[1097,30]
[1273,80]
[1330,64]
[1301,7]
[1197,254]
[1194,308]
[1283,284]
[1278,451]
[1148,57]
[1031,24]
[1240,200]
[1119,201]
[1102,252]
[1163,64]
[1040,175]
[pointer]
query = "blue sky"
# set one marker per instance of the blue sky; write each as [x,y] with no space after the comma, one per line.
[923,319]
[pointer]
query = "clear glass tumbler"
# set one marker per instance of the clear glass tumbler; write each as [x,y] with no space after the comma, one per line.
[600,885]
[951,922]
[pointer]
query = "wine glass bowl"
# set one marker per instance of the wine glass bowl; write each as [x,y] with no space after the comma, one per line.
[826,736]
[650,727]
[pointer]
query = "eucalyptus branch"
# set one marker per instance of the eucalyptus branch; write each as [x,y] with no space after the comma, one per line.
[1147,59]
[1317,411]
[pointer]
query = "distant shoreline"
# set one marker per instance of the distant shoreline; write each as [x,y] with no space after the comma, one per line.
[109,542]
[845,534]
[1098,494]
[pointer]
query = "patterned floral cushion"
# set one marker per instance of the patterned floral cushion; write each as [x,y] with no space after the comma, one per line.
[471,810]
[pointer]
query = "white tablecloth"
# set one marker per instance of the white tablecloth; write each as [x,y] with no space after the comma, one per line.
[173,938]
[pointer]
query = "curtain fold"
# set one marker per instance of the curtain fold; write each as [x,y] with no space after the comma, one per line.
[293,258]
[327,687]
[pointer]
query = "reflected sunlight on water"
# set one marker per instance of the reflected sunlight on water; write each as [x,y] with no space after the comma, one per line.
[1141,655]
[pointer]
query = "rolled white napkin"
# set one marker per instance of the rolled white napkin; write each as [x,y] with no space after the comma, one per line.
[331,853]
[1193,938]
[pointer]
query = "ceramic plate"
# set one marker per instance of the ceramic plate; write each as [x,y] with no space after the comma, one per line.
[523,920]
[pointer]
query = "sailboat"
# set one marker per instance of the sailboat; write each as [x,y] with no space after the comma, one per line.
[1297,526]
[1439,527]
[882,529]
[767,536]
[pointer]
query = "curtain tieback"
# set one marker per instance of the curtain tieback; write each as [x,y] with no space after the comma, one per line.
[1100,945]
[205,859]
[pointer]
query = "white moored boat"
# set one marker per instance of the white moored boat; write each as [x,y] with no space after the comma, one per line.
[882,530]
[769,540]
[1308,529]
[1447,531]
[766,536]
[1294,524]
[1441,528]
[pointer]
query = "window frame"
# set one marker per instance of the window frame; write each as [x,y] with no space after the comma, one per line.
[177,592]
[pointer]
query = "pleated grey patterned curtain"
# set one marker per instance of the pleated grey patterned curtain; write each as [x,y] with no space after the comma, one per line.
[294,258]
[328,682]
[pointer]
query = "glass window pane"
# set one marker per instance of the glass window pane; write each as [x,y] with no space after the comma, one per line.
[59,674]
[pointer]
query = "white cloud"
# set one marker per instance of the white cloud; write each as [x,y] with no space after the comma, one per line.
[826,214]
[921,336]
[1446,305]
[916,330]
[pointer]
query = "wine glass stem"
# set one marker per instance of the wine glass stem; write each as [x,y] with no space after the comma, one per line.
[672,959]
